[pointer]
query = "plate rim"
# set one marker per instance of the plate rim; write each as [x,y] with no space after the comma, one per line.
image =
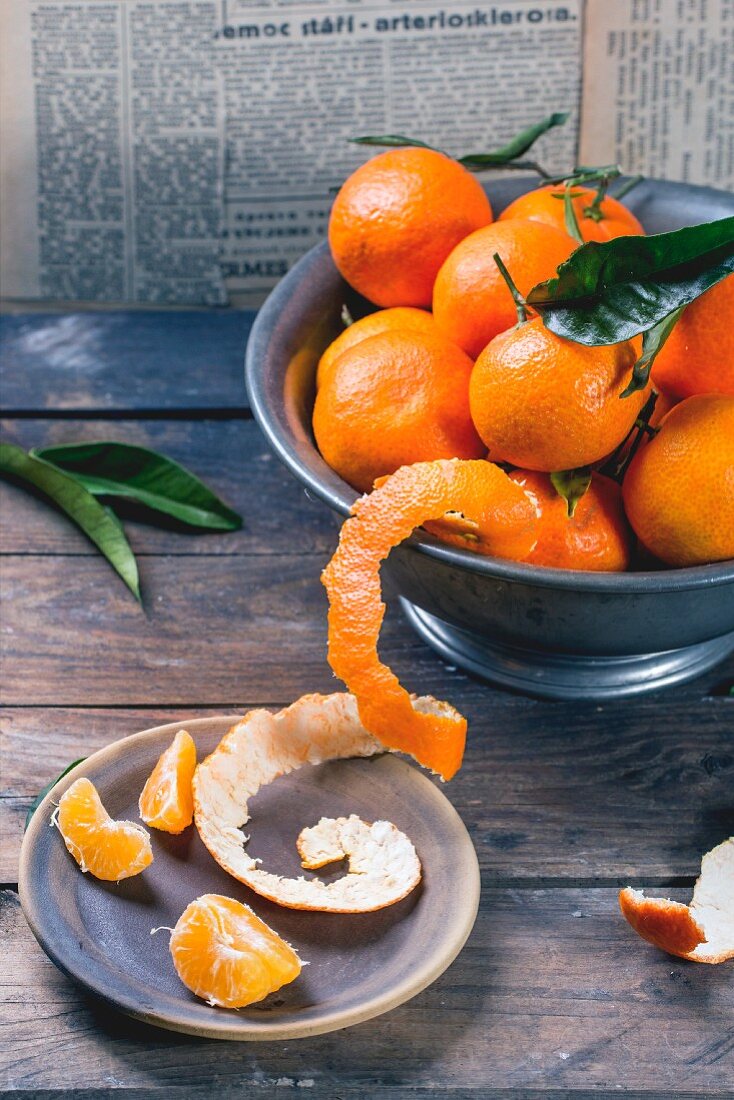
[223,1027]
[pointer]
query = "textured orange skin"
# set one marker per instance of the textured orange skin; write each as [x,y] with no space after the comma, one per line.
[540,205]
[505,517]
[544,403]
[597,537]
[698,356]
[167,801]
[471,301]
[221,949]
[679,489]
[399,319]
[396,219]
[393,399]
[666,924]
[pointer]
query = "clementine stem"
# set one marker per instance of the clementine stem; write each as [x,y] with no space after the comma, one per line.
[520,303]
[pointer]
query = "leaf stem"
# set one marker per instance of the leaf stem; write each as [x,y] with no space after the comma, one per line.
[520,303]
[569,216]
[626,187]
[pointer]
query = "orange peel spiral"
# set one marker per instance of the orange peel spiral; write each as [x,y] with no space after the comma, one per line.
[501,517]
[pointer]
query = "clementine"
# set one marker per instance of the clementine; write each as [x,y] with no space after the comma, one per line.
[471,301]
[546,205]
[393,399]
[679,489]
[698,356]
[395,220]
[545,403]
[398,319]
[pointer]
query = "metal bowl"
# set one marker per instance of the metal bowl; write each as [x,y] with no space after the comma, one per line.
[549,632]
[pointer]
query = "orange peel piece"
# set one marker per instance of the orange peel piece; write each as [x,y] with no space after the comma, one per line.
[383,864]
[500,516]
[166,801]
[702,931]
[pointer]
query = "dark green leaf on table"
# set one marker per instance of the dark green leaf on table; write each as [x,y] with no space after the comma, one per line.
[609,292]
[652,342]
[42,794]
[96,521]
[136,473]
[571,485]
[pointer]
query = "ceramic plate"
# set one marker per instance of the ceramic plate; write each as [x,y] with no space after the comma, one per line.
[360,965]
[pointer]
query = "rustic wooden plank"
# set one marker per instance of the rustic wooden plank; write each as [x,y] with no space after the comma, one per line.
[557,792]
[124,360]
[552,992]
[230,456]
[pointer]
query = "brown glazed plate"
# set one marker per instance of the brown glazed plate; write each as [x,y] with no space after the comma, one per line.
[99,933]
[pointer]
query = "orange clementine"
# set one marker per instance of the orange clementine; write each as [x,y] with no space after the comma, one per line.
[225,954]
[596,537]
[433,732]
[544,205]
[167,801]
[109,850]
[545,403]
[698,356]
[471,301]
[395,220]
[393,399]
[679,489]
[399,319]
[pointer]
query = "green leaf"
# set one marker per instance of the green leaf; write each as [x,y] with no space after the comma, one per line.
[569,216]
[97,523]
[606,293]
[136,473]
[652,342]
[395,141]
[515,148]
[571,485]
[49,786]
[499,158]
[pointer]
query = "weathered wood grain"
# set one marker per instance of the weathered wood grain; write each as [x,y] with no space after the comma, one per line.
[124,360]
[231,456]
[550,792]
[553,991]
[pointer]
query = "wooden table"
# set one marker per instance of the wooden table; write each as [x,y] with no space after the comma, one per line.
[553,995]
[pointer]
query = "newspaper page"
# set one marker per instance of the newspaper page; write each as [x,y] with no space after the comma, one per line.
[186,151]
[301,80]
[112,151]
[658,92]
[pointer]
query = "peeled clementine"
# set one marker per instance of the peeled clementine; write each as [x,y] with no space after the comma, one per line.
[471,301]
[679,488]
[225,954]
[166,801]
[395,220]
[394,399]
[109,850]
[546,205]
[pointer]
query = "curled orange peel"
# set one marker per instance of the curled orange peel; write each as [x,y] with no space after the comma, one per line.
[702,931]
[499,515]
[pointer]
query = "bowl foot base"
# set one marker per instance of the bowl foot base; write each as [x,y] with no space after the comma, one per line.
[565,675]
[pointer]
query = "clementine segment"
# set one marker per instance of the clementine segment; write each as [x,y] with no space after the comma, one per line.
[545,403]
[109,850]
[225,954]
[471,301]
[596,537]
[393,399]
[433,733]
[166,801]
[698,356]
[399,319]
[546,205]
[395,220]
[679,489]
